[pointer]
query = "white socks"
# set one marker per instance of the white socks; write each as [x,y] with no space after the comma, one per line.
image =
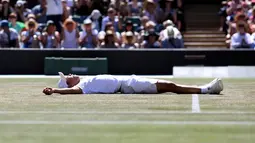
[204,89]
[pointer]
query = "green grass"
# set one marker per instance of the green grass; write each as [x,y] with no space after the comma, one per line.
[126,133]
[24,96]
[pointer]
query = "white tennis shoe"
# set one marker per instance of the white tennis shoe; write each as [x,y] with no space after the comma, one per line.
[215,87]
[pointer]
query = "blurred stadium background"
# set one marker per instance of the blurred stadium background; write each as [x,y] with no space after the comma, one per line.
[191,24]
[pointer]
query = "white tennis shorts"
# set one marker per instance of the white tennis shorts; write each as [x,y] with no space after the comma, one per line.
[138,85]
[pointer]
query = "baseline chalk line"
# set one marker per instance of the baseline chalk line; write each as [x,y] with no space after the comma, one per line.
[123,112]
[195,104]
[34,122]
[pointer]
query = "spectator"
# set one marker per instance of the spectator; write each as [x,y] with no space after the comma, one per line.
[124,10]
[171,40]
[6,9]
[250,11]
[239,10]
[240,17]
[181,25]
[253,33]
[251,20]
[31,16]
[116,20]
[135,8]
[84,8]
[8,36]
[252,27]
[233,12]
[164,33]
[149,25]
[103,6]
[41,26]
[96,18]
[130,27]
[223,15]
[169,12]
[69,34]
[252,16]
[123,13]
[54,12]
[152,11]
[233,5]
[246,7]
[100,36]
[88,37]
[50,37]
[31,38]
[109,41]
[241,39]
[115,4]
[13,23]
[21,11]
[66,10]
[151,39]
[129,41]
[110,18]
[144,20]
[40,12]
[117,36]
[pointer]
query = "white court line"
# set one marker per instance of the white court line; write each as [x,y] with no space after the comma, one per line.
[82,76]
[195,104]
[120,112]
[34,122]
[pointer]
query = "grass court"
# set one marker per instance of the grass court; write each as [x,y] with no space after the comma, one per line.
[29,116]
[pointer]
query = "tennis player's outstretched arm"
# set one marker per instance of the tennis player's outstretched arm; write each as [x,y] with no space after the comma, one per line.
[73,90]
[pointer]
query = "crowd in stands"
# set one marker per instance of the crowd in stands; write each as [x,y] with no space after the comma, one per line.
[91,24]
[238,23]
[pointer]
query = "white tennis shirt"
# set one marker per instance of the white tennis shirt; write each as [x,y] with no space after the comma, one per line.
[108,84]
[100,84]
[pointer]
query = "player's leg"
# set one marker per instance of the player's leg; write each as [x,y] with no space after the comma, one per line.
[214,87]
[163,87]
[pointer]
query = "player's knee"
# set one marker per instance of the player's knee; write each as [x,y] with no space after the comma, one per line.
[171,86]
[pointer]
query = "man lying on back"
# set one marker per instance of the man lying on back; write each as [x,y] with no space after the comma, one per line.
[109,84]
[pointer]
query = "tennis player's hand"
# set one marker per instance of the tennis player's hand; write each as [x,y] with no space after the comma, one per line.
[48,91]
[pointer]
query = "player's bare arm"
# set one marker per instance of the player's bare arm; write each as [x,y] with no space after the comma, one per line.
[73,90]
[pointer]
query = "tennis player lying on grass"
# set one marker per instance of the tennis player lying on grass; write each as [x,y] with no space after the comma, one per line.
[108,84]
